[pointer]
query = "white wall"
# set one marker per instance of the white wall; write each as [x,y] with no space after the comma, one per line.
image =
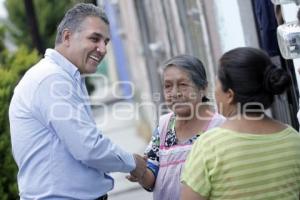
[236,24]
[229,24]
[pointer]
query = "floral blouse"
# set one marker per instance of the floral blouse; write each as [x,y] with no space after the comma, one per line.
[152,151]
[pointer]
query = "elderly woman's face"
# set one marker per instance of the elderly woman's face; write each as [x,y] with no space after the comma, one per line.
[181,94]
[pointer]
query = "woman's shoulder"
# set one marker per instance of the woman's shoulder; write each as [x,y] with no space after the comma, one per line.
[293,132]
[165,117]
[266,126]
[164,123]
[211,134]
[216,120]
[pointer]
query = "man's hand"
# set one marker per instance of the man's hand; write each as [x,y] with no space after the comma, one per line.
[131,178]
[141,173]
[141,167]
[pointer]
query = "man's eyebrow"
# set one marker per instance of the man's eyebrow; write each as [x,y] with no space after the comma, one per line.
[99,35]
[96,34]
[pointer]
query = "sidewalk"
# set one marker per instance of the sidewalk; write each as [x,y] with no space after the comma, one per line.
[122,131]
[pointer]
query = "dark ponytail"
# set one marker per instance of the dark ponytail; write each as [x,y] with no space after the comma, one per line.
[250,73]
[276,80]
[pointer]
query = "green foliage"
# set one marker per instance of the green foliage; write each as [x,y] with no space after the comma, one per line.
[48,14]
[14,65]
[2,32]
[11,69]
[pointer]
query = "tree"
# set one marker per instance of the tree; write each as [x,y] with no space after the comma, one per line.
[12,67]
[33,26]
[48,14]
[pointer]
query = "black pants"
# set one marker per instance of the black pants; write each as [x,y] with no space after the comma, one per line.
[104,197]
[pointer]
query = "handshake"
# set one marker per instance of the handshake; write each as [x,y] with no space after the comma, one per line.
[139,172]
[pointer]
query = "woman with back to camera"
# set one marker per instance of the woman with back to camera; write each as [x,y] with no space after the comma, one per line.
[184,87]
[250,156]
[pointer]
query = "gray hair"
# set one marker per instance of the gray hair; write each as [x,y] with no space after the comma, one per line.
[74,17]
[194,68]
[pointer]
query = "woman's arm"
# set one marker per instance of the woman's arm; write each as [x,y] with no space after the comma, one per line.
[188,194]
[147,180]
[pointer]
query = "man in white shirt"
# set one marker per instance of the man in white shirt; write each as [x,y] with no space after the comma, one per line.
[59,151]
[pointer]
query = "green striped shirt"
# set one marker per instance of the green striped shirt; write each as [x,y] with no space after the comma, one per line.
[224,164]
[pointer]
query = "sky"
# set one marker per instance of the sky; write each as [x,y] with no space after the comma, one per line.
[3,12]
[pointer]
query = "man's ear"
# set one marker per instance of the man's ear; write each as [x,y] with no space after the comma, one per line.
[230,96]
[66,36]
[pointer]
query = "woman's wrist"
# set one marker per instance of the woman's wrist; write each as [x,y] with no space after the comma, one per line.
[143,174]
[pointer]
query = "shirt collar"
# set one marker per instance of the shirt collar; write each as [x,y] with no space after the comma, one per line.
[63,62]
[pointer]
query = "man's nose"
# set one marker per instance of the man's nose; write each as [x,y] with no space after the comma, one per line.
[102,48]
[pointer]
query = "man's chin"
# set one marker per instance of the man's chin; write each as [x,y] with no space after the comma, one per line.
[91,69]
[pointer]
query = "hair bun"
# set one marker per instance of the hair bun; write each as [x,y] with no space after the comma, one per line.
[276,80]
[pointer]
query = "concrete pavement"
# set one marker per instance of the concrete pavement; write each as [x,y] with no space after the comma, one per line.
[122,130]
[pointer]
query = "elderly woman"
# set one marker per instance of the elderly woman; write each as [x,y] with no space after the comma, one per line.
[185,83]
[250,156]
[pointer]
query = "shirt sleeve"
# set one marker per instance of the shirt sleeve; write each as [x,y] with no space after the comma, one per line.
[61,107]
[196,172]
[152,152]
